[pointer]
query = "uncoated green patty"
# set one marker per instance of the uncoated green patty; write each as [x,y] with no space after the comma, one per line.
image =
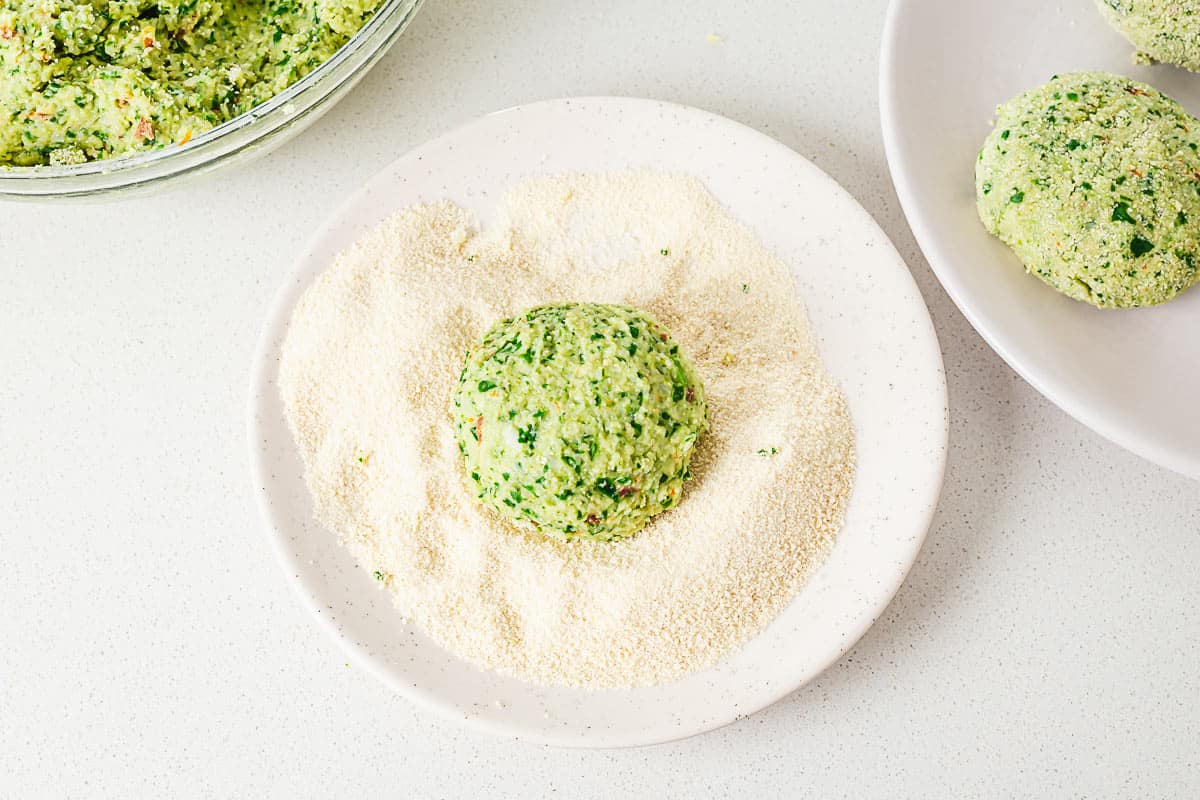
[1161,30]
[579,419]
[1094,181]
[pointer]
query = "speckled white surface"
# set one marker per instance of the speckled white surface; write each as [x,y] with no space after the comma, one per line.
[1045,643]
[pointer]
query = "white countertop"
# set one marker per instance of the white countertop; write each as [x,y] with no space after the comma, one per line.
[1046,642]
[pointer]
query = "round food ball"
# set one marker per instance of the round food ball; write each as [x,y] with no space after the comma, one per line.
[579,419]
[1094,181]
[1161,30]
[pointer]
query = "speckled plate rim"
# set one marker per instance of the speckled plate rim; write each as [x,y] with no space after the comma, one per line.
[897,534]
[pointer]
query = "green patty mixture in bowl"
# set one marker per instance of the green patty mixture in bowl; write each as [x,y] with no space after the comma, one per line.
[110,94]
[579,419]
[1094,181]
[1161,30]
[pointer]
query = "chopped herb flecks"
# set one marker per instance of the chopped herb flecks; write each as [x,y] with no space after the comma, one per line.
[590,404]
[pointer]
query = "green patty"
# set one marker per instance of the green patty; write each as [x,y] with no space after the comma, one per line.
[1161,30]
[579,419]
[1094,181]
[91,80]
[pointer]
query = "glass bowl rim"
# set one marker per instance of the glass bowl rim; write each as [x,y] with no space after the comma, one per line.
[375,31]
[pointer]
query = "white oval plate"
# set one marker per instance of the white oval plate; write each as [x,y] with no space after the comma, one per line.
[1133,376]
[875,338]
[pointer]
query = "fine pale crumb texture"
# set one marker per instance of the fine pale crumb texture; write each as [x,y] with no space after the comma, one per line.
[374,350]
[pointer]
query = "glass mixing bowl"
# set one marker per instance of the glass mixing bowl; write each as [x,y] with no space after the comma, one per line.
[241,138]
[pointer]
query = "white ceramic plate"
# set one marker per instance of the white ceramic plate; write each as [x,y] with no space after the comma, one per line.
[1133,376]
[875,338]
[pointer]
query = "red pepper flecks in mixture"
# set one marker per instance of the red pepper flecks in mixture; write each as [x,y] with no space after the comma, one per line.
[579,419]
[78,77]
